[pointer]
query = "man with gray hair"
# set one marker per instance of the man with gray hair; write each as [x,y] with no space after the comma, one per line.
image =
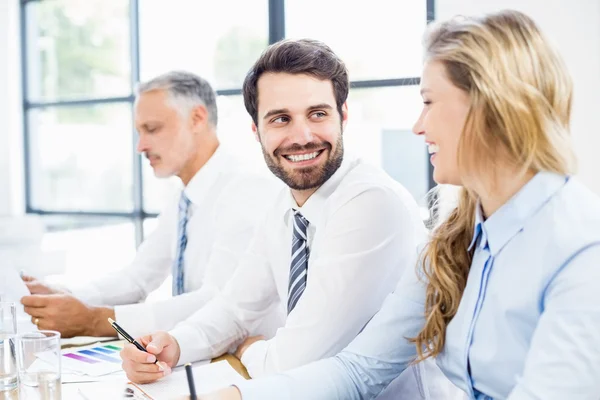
[200,235]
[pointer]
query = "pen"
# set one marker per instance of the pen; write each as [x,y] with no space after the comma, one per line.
[190,379]
[127,337]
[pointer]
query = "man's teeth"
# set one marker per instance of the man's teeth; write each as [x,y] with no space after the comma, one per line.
[433,148]
[302,157]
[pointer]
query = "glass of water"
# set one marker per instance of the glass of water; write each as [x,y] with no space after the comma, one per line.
[38,362]
[8,333]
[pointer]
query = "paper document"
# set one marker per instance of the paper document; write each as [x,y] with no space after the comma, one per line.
[85,341]
[207,378]
[12,288]
[94,360]
[101,391]
[71,377]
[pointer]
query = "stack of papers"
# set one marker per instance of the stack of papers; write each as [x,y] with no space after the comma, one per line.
[207,378]
[99,391]
[85,341]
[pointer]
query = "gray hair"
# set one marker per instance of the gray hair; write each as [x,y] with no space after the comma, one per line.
[186,91]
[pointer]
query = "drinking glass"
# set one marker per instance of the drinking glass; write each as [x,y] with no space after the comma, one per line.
[8,332]
[38,362]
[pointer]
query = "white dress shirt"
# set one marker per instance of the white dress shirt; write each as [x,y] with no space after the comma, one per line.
[227,203]
[363,232]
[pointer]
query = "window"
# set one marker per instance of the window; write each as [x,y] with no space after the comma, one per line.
[90,246]
[80,158]
[204,37]
[83,58]
[379,130]
[381,41]
[73,53]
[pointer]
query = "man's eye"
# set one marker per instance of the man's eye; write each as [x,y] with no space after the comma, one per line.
[281,119]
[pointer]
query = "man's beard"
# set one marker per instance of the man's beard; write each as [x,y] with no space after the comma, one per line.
[310,177]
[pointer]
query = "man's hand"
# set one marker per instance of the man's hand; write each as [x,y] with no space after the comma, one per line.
[36,286]
[247,343]
[68,315]
[139,366]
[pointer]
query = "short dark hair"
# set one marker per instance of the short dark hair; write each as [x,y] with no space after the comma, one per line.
[303,56]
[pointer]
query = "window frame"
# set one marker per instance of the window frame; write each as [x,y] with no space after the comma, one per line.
[276,21]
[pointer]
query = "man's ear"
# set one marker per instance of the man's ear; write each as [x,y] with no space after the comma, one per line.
[344,115]
[255,131]
[199,117]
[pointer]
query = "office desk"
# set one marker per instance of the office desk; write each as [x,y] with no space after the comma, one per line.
[69,394]
[83,341]
[13,395]
[231,359]
[235,363]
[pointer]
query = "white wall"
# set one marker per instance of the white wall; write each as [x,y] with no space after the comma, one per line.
[11,142]
[574,26]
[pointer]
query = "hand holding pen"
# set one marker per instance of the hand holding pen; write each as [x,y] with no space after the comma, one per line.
[141,366]
[127,336]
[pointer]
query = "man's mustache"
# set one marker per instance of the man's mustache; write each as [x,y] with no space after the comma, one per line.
[148,155]
[295,148]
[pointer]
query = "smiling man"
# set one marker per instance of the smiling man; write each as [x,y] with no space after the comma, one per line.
[332,247]
[201,234]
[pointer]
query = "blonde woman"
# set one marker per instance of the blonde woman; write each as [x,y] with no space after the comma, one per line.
[510,280]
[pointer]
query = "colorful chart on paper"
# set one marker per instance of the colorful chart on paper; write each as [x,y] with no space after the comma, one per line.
[108,353]
[97,359]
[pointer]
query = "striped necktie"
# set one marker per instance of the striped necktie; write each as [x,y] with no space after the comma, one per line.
[299,265]
[178,275]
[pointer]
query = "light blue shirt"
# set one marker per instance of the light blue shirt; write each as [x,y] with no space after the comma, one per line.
[528,324]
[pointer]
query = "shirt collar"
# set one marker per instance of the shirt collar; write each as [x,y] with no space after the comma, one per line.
[510,219]
[478,230]
[206,176]
[313,209]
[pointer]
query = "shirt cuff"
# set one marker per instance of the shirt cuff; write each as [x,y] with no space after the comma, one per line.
[187,338]
[254,358]
[136,319]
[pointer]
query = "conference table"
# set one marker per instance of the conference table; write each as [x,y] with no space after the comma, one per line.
[70,343]
[235,363]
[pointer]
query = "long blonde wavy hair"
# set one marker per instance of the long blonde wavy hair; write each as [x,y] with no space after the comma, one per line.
[520,107]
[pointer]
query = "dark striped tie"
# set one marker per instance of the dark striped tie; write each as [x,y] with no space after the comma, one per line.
[299,266]
[178,275]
